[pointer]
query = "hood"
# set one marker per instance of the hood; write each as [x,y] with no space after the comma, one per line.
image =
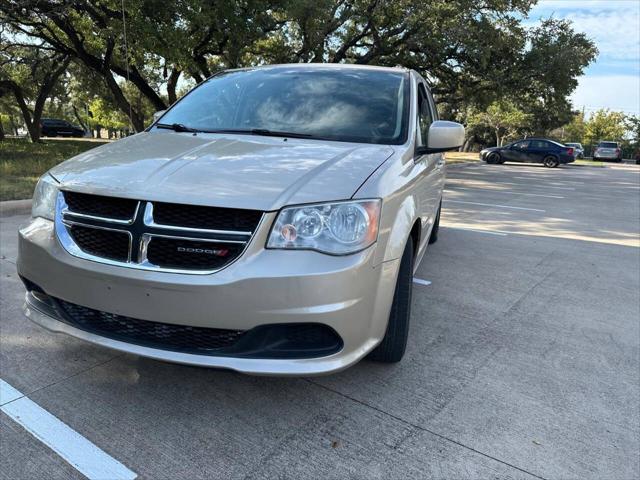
[237,171]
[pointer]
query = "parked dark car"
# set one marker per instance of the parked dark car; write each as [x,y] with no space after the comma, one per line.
[53,127]
[533,150]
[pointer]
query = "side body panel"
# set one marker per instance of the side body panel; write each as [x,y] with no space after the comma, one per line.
[411,189]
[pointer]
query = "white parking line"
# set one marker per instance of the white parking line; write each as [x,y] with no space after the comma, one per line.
[488,232]
[79,452]
[488,190]
[420,281]
[495,205]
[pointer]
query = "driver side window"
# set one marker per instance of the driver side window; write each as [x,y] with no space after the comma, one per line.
[521,145]
[425,117]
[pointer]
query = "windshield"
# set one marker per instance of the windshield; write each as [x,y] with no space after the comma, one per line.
[342,104]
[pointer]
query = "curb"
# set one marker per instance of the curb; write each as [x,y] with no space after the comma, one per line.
[15,207]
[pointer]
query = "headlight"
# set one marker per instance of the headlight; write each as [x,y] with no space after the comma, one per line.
[336,228]
[44,198]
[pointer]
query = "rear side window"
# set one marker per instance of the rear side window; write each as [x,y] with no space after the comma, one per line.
[540,144]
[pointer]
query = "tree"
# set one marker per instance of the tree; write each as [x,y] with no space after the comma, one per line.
[550,69]
[30,75]
[160,36]
[605,125]
[632,122]
[472,52]
[106,116]
[574,130]
[9,113]
[503,118]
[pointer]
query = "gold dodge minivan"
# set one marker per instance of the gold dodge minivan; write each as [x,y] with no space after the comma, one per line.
[269,222]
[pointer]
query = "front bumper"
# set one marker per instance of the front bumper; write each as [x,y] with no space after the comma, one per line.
[350,294]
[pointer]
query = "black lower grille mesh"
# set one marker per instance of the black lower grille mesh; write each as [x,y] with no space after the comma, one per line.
[166,336]
[189,254]
[100,206]
[102,243]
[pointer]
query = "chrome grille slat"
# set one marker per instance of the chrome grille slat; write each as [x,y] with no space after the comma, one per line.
[189,242]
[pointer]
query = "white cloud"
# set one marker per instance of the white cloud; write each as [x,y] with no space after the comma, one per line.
[616,92]
[614,25]
[613,81]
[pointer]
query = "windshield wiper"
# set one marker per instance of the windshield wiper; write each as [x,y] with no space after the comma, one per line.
[261,131]
[177,127]
[276,133]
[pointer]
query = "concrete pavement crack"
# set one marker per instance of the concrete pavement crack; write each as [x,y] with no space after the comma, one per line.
[73,375]
[421,428]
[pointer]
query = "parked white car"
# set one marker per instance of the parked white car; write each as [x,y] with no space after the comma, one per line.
[608,151]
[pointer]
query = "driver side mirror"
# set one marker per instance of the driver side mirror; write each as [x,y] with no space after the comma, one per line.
[443,136]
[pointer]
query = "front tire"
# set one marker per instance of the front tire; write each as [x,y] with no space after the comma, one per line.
[494,158]
[394,343]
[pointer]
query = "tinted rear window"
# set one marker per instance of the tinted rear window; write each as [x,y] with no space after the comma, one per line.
[608,145]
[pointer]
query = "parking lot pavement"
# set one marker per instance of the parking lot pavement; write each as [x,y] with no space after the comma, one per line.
[523,360]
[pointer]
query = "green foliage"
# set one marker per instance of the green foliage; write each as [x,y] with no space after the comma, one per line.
[473,53]
[605,125]
[574,131]
[504,119]
[632,123]
[106,116]
[557,57]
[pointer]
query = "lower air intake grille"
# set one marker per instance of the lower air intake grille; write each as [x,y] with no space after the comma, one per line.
[179,338]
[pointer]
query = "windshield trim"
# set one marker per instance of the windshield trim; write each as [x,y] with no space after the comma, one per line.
[405,122]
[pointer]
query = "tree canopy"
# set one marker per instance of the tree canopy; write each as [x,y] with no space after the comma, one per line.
[473,52]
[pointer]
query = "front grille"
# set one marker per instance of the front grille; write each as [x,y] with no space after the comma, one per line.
[110,244]
[178,253]
[212,218]
[153,235]
[100,206]
[179,338]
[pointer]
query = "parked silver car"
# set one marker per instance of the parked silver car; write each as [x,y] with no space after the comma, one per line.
[608,151]
[578,149]
[269,222]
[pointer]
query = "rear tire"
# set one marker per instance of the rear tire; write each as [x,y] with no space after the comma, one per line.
[433,238]
[394,343]
[550,162]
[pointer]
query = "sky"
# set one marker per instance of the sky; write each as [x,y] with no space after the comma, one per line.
[613,80]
